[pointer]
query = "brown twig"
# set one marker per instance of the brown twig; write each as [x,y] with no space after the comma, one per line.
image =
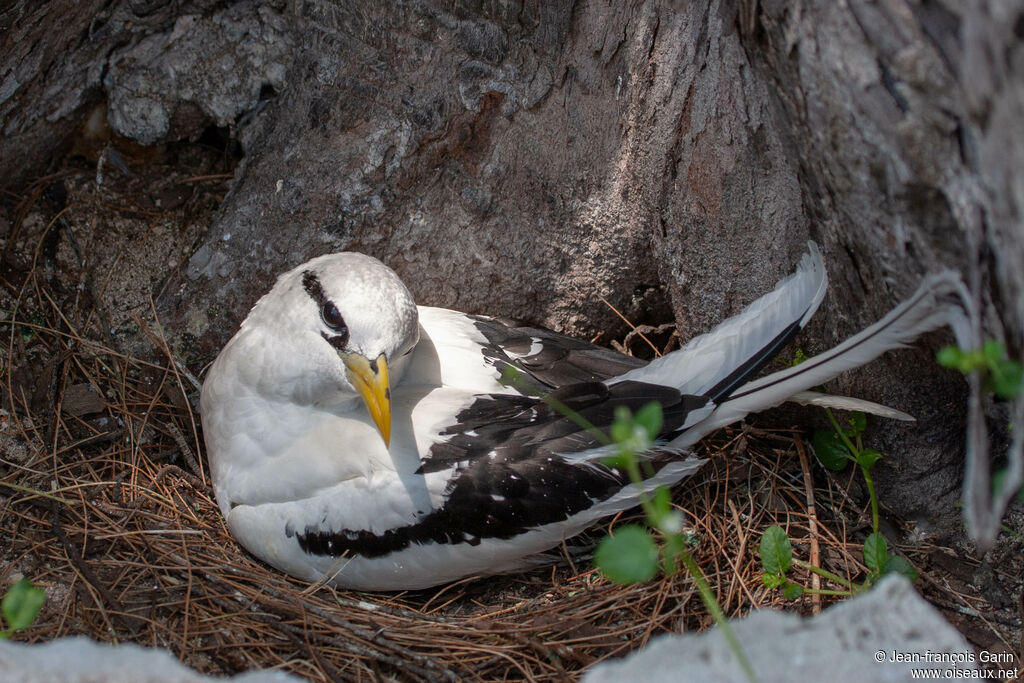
[632,327]
[812,523]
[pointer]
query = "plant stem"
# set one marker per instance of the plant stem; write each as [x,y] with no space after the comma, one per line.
[712,605]
[674,544]
[874,498]
[825,573]
[633,469]
[842,435]
[856,458]
[515,378]
[826,591]
[674,548]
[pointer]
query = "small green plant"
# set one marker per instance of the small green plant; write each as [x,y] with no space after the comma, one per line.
[835,449]
[1001,376]
[633,554]
[777,558]
[28,327]
[20,606]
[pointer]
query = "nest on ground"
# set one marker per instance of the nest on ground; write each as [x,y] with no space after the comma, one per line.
[106,503]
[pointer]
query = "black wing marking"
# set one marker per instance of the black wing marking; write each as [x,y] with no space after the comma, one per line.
[549,359]
[491,498]
[519,428]
[513,471]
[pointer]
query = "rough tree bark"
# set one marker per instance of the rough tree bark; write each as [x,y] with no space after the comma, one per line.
[529,158]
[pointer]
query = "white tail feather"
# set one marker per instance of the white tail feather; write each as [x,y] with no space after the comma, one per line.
[815,398]
[708,359]
[936,302]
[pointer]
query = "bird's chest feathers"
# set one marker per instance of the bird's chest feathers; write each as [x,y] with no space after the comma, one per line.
[290,452]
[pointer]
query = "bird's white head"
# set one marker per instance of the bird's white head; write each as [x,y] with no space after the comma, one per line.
[338,326]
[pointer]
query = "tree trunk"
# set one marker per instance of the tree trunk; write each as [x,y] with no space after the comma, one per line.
[531,159]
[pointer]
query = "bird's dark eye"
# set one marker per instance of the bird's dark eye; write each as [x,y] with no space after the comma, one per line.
[332,317]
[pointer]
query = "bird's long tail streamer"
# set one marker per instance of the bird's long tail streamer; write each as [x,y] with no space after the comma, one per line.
[937,302]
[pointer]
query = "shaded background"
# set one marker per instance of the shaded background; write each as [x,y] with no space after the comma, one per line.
[527,159]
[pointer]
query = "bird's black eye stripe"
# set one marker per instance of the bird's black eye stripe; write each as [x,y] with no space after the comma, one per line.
[329,313]
[311,283]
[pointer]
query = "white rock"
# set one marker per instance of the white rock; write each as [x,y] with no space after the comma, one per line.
[80,660]
[841,644]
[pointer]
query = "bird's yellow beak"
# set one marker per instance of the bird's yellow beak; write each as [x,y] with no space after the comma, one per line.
[370,378]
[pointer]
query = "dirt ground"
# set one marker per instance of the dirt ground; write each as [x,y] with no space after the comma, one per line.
[105,499]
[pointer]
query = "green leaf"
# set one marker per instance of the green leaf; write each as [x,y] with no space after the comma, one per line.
[830,450]
[950,357]
[858,421]
[773,580]
[1006,379]
[776,551]
[630,556]
[792,590]
[798,357]
[868,457]
[650,418]
[993,352]
[1002,376]
[898,565]
[875,551]
[21,604]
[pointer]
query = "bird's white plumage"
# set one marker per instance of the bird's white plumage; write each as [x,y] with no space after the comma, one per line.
[477,477]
